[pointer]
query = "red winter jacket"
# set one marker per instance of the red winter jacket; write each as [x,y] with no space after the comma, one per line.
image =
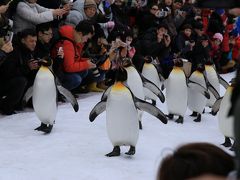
[73,62]
[236,51]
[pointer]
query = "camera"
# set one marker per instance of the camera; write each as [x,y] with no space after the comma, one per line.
[160,14]
[9,36]
[217,3]
[165,35]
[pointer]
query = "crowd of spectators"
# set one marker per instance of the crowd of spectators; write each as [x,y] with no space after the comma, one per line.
[83,38]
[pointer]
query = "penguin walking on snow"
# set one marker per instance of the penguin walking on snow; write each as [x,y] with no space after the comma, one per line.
[121,114]
[225,122]
[44,97]
[176,92]
[136,83]
[150,72]
[215,80]
[197,92]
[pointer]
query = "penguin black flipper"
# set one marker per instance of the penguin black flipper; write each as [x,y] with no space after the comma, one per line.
[106,93]
[187,68]
[159,73]
[68,95]
[98,109]
[198,87]
[27,96]
[216,106]
[153,88]
[210,86]
[223,82]
[213,91]
[153,110]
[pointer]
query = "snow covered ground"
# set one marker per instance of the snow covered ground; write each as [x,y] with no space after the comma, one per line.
[76,147]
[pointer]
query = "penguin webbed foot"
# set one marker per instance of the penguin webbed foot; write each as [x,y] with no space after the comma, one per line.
[227,142]
[179,120]
[198,119]
[44,128]
[194,114]
[115,152]
[140,125]
[170,116]
[131,151]
[213,113]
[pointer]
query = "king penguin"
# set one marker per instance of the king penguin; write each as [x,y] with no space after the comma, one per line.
[215,80]
[121,114]
[223,107]
[150,72]
[136,83]
[44,96]
[176,91]
[197,95]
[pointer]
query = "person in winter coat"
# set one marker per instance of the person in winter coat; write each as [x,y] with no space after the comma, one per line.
[74,67]
[216,52]
[81,10]
[18,72]
[200,53]
[150,18]
[184,41]
[5,49]
[155,43]
[44,37]
[29,14]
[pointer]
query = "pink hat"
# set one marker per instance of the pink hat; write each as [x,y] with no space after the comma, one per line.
[218,36]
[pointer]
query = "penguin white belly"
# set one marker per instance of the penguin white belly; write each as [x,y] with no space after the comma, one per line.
[176,92]
[150,72]
[225,122]
[44,97]
[197,101]
[121,118]
[134,82]
[213,79]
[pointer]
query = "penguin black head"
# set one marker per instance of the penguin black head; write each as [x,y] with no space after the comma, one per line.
[209,62]
[148,59]
[44,62]
[178,62]
[121,74]
[200,67]
[126,62]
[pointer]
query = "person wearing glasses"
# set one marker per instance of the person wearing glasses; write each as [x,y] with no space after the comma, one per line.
[44,37]
[149,18]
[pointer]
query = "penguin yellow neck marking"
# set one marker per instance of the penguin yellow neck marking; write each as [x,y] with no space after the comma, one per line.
[148,64]
[208,67]
[177,69]
[118,86]
[198,73]
[44,68]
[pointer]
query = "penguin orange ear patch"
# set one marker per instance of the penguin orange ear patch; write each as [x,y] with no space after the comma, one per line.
[118,86]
